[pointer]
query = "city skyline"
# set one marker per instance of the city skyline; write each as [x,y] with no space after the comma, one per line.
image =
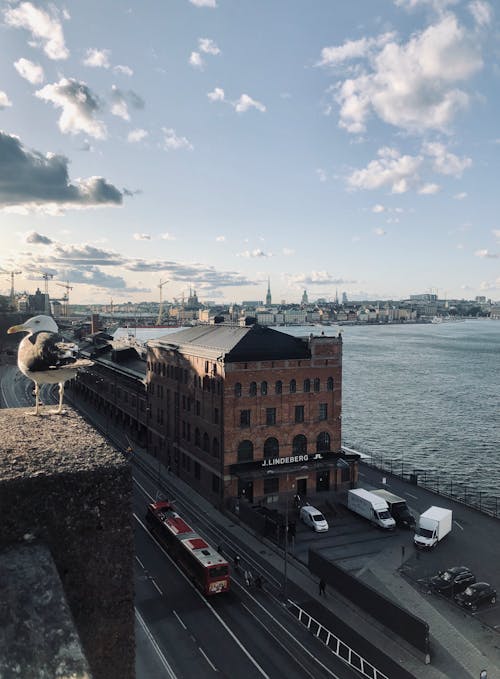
[217,146]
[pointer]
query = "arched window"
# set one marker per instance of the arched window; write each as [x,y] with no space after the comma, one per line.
[299,445]
[263,388]
[197,437]
[323,442]
[245,451]
[317,384]
[329,384]
[253,388]
[307,384]
[293,386]
[271,447]
[206,443]
[237,389]
[278,387]
[215,447]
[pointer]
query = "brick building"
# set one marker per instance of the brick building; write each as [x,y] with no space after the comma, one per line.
[248,412]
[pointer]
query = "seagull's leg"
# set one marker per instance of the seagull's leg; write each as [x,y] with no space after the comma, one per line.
[37,389]
[61,395]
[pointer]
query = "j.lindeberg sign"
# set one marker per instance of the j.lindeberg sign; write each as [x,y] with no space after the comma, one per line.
[272,462]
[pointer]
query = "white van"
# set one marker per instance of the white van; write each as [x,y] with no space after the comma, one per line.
[313,518]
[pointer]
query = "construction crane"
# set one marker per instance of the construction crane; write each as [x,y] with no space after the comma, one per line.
[160,308]
[12,294]
[65,299]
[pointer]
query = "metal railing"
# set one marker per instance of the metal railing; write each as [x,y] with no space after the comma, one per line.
[437,482]
[338,647]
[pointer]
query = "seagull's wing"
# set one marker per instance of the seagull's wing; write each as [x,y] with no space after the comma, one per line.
[51,351]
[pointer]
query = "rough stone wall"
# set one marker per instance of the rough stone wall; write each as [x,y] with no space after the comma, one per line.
[63,483]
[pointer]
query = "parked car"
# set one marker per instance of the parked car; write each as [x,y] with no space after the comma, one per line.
[452,580]
[477,594]
[313,518]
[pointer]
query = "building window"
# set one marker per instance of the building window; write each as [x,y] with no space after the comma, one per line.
[207,367]
[299,445]
[322,481]
[188,431]
[299,413]
[293,386]
[215,483]
[206,443]
[253,388]
[237,389]
[216,416]
[307,385]
[323,442]
[317,384]
[345,474]
[245,451]
[197,470]
[271,448]
[244,418]
[198,407]
[215,447]
[278,387]
[270,416]
[197,437]
[271,486]
[323,411]
[329,384]
[263,388]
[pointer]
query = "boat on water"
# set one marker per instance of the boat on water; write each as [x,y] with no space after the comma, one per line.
[447,319]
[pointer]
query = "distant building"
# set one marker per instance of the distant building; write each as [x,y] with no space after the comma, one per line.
[425,297]
[305,298]
[268,295]
[248,412]
[344,298]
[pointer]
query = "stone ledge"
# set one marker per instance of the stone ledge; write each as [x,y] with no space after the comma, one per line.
[38,639]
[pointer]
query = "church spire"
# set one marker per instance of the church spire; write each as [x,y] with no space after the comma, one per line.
[268,295]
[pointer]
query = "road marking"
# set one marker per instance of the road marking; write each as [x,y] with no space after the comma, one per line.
[410,495]
[456,522]
[140,563]
[158,589]
[207,659]
[207,603]
[178,618]
[157,649]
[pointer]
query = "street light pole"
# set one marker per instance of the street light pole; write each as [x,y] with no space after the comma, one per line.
[285,583]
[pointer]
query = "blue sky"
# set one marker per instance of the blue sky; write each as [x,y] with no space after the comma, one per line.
[350,146]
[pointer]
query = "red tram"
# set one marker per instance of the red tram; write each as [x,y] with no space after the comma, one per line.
[205,566]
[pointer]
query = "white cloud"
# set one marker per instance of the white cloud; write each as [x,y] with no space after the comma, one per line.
[438,5]
[195,60]
[321,174]
[391,169]
[414,85]
[44,27]
[123,70]
[429,189]
[30,71]
[79,106]
[97,58]
[204,3]
[137,135]
[220,239]
[288,252]
[172,142]
[486,254]
[142,236]
[250,254]
[481,12]
[460,196]
[496,233]
[444,162]
[352,49]
[167,236]
[245,102]
[216,95]
[379,232]
[378,208]
[208,46]
[490,285]
[5,102]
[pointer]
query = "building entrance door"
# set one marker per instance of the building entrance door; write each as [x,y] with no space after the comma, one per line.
[245,490]
[302,487]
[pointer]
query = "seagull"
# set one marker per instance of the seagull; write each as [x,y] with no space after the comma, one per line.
[45,357]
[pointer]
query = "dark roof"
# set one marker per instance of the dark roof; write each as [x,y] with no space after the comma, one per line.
[235,343]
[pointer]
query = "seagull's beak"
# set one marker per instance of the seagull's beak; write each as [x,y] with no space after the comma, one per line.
[16,328]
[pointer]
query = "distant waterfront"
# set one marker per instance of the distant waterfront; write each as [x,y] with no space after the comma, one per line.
[426,395]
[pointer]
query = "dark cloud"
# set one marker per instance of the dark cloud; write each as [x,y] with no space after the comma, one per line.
[29,178]
[196,273]
[34,237]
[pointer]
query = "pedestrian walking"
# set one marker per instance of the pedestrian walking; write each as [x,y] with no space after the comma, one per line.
[258,581]
[248,578]
[236,563]
[322,588]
